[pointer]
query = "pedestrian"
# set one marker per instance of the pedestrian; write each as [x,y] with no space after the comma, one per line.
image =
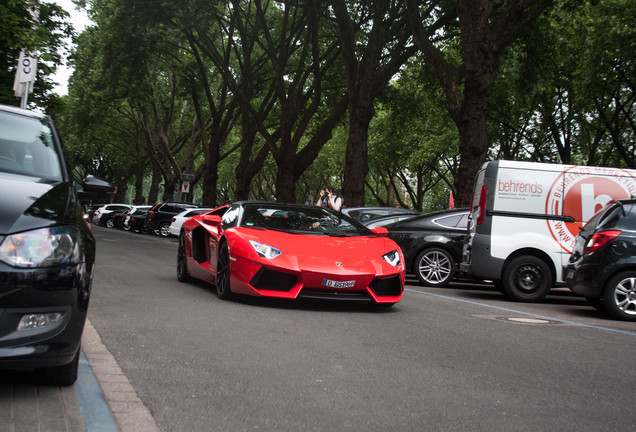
[329,199]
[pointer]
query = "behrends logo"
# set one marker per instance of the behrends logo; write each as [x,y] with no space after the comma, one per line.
[521,187]
[581,192]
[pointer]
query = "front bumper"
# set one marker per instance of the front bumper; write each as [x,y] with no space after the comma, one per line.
[31,293]
[253,278]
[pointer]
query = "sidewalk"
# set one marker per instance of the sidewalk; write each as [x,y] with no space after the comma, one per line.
[102,399]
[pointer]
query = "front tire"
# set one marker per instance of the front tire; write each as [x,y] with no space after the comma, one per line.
[64,375]
[223,289]
[619,296]
[527,279]
[182,266]
[434,267]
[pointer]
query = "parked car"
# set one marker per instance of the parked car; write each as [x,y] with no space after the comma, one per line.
[136,219]
[158,220]
[365,214]
[602,266]
[179,219]
[47,250]
[99,218]
[113,219]
[387,220]
[290,251]
[432,244]
[90,211]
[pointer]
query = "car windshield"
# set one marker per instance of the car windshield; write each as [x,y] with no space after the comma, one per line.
[301,220]
[27,147]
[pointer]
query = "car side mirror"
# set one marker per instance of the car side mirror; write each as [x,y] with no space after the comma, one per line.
[96,189]
[380,231]
[211,219]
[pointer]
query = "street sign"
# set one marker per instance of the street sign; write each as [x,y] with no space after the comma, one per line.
[25,77]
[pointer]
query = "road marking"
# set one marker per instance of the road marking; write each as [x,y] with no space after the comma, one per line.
[522,313]
[96,414]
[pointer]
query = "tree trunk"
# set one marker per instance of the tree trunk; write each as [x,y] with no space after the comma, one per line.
[356,158]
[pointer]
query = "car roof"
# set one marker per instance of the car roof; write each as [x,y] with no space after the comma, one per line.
[22,111]
[399,209]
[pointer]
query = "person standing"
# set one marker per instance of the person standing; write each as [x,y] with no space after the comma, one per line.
[329,199]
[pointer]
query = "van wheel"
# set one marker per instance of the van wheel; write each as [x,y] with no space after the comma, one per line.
[434,267]
[527,279]
[620,296]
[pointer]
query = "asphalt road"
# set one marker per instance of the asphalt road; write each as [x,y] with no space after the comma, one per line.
[455,359]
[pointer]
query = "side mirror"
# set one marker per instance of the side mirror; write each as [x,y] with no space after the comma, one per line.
[380,231]
[96,189]
[211,219]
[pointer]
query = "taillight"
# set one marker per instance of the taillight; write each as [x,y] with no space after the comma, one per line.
[598,240]
[482,205]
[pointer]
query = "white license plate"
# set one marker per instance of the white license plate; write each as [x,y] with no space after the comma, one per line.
[337,284]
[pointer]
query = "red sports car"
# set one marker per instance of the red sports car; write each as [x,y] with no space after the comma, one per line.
[290,251]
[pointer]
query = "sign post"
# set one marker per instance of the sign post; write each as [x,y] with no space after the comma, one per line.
[25,77]
[186,188]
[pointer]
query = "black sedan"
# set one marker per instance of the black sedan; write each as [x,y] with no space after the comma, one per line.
[432,244]
[602,266]
[47,250]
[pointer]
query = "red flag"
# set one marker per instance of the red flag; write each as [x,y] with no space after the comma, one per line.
[451,204]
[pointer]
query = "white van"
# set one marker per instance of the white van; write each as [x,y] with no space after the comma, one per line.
[526,216]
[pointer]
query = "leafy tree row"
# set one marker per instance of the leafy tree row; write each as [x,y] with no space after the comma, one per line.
[395,102]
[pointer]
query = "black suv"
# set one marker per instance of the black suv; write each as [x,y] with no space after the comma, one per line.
[47,250]
[158,219]
[602,266]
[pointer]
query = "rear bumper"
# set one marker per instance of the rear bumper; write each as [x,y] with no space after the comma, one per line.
[585,280]
[477,260]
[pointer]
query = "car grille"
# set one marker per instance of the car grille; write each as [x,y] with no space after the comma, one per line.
[266,279]
[391,286]
[335,295]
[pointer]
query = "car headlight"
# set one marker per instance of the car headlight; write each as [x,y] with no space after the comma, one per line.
[41,248]
[265,251]
[392,258]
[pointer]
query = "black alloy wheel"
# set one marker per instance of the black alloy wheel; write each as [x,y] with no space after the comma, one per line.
[182,266]
[223,289]
[527,279]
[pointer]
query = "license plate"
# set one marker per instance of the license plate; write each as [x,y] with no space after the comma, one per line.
[337,284]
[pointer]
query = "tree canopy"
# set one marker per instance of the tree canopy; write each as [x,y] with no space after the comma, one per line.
[393,102]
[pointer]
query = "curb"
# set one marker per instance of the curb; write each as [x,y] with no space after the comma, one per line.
[129,412]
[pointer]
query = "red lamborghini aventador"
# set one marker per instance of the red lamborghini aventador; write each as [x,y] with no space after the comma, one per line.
[290,251]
